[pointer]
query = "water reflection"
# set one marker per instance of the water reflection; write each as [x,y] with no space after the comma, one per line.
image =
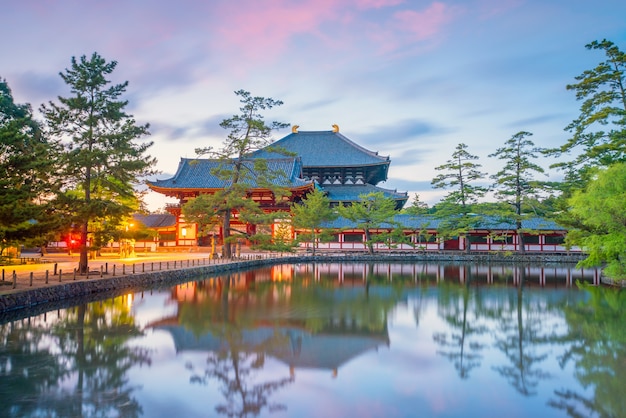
[367,339]
[70,365]
[596,344]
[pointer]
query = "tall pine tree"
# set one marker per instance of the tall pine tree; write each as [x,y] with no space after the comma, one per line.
[459,175]
[599,132]
[515,183]
[248,132]
[103,160]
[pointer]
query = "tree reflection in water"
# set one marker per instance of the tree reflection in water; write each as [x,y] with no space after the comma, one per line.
[258,330]
[243,324]
[518,338]
[236,363]
[463,347]
[82,366]
[597,346]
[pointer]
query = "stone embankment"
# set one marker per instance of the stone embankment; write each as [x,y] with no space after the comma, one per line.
[96,285]
[93,288]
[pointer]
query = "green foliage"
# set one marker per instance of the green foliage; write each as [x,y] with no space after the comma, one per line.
[599,133]
[101,160]
[248,132]
[456,208]
[600,209]
[27,176]
[370,212]
[515,183]
[417,207]
[457,175]
[596,329]
[309,216]
[281,240]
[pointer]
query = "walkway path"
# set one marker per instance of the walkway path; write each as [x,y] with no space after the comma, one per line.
[64,266]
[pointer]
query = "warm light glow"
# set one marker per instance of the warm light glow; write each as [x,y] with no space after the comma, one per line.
[129,300]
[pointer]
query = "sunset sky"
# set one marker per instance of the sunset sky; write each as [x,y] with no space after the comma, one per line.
[409,79]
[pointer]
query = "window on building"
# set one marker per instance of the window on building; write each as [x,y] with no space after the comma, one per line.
[352,237]
[425,238]
[555,239]
[168,236]
[478,239]
[504,239]
[531,239]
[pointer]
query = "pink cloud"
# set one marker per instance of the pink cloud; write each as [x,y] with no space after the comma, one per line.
[377,4]
[260,32]
[268,27]
[425,24]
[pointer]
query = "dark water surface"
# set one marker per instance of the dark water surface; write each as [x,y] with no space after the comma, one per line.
[329,340]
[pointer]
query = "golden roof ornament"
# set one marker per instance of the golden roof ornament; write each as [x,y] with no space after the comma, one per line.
[335,128]
[294,129]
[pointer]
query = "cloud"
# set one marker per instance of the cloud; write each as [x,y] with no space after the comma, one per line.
[39,88]
[424,24]
[403,184]
[398,134]
[528,123]
[318,104]
[377,4]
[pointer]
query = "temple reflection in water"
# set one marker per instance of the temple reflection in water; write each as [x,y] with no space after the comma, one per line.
[257,311]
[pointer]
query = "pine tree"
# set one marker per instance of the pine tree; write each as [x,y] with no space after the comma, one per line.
[599,132]
[514,183]
[458,174]
[102,160]
[248,132]
[371,212]
[310,216]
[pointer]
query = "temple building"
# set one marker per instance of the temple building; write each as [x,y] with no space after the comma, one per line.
[323,159]
[342,168]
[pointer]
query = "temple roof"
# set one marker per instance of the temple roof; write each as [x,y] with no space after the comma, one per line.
[432,223]
[194,173]
[293,346]
[351,193]
[156,220]
[324,149]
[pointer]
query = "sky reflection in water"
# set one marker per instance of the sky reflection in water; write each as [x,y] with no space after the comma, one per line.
[329,340]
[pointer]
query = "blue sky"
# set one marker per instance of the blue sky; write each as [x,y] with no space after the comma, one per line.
[409,79]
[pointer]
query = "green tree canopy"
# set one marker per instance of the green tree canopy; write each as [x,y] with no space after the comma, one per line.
[370,212]
[27,175]
[600,209]
[102,162]
[311,214]
[418,207]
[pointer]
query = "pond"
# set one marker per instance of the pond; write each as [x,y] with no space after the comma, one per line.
[329,340]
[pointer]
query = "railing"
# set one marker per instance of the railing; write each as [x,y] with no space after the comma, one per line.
[11,279]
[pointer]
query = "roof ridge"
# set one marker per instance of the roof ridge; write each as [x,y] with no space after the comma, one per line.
[354,144]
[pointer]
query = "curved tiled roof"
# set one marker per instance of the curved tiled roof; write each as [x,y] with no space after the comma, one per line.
[196,173]
[430,222]
[324,149]
[351,192]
